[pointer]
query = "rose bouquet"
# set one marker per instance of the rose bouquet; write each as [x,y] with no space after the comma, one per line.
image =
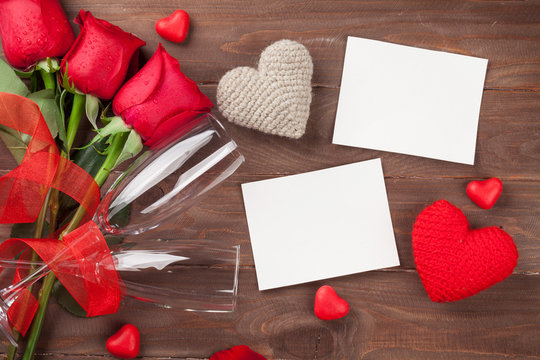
[55,80]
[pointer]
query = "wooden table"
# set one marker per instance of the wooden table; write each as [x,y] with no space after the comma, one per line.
[391,316]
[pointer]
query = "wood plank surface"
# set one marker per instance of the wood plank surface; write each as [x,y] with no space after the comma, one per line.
[232,33]
[508,144]
[391,316]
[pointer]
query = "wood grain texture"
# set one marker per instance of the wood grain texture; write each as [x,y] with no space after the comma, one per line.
[225,34]
[221,215]
[508,144]
[391,318]
[391,315]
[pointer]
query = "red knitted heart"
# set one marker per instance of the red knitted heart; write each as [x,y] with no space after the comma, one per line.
[328,304]
[174,27]
[455,262]
[485,193]
[125,343]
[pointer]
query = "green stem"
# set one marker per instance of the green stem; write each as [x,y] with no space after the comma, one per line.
[54,207]
[44,294]
[38,234]
[77,111]
[49,80]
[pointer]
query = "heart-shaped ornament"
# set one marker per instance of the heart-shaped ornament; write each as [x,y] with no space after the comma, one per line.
[174,27]
[240,352]
[455,262]
[125,343]
[485,193]
[274,99]
[328,304]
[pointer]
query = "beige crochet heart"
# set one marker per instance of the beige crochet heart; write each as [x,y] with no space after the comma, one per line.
[274,99]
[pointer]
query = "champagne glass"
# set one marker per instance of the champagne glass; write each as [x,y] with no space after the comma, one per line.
[193,275]
[163,182]
[169,178]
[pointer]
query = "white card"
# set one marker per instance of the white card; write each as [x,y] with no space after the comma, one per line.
[320,224]
[409,100]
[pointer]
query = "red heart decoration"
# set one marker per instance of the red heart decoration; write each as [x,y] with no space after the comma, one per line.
[455,262]
[125,343]
[328,304]
[485,193]
[174,27]
[240,352]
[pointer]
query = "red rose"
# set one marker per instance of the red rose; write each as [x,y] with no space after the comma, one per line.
[98,61]
[240,352]
[159,98]
[33,30]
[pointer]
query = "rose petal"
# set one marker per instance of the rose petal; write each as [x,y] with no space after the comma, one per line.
[140,86]
[98,61]
[173,127]
[33,30]
[173,94]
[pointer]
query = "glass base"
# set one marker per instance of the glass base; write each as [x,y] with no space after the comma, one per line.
[5,326]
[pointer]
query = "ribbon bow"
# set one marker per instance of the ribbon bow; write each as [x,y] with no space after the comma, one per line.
[22,194]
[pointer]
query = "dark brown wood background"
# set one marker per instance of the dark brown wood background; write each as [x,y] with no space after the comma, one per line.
[391,316]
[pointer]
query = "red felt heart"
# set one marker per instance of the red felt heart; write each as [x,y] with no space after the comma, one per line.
[174,27]
[455,262]
[485,193]
[240,352]
[125,343]
[328,304]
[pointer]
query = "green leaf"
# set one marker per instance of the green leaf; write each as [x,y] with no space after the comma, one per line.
[132,147]
[64,298]
[10,82]
[49,109]
[114,126]
[15,142]
[66,85]
[92,109]
[90,160]
[25,74]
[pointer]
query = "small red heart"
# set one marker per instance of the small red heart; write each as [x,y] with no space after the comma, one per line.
[240,352]
[125,343]
[328,304]
[174,27]
[455,262]
[485,193]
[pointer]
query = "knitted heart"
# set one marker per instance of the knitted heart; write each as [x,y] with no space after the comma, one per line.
[174,27]
[485,193]
[125,343]
[328,304]
[455,262]
[274,99]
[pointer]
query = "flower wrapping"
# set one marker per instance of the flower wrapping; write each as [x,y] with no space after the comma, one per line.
[22,192]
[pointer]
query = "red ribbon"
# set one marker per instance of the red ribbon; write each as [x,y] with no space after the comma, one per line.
[22,194]
[23,190]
